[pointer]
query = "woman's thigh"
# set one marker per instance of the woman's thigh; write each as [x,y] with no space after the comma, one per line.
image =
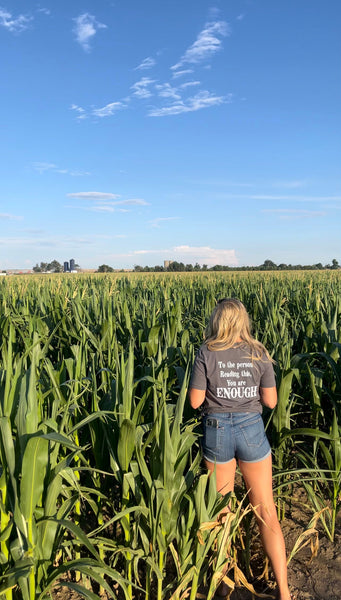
[258,481]
[225,474]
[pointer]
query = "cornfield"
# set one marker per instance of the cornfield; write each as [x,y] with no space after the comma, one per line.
[102,488]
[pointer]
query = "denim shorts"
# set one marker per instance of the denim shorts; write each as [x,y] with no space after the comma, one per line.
[234,435]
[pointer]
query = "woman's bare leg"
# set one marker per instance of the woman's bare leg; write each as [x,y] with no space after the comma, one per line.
[258,481]
[225,474]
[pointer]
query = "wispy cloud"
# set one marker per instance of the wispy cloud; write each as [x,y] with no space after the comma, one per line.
[106,202]
[93,195]
[104,208]
[109,110]
[241,17]
[189,84]
[86,27]
[103,111]
[201,100]
[81,114]
[147,63]
[156,222]
[165,90]
[177,74]
[14,24]
[292,213]
[207,43]
[43,167]
[289,185]
[177,99]
[291,198]
[204,255]
[9,217]
[48,241]
[45,11]
[134,202]
[140,88]
[207,255]
[264,184]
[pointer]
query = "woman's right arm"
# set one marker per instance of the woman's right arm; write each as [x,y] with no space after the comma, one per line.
[268,396]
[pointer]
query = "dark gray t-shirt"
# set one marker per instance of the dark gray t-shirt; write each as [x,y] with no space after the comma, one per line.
[231,378]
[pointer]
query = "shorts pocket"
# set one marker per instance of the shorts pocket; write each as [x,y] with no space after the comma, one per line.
[253,432]
[213,434]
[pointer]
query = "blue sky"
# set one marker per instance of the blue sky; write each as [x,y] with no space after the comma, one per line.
[134,132]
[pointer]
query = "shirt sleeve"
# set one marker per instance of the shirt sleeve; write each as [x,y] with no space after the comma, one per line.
[268,376]
[198,379]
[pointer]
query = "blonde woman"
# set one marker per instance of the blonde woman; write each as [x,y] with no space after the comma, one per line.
[232,378]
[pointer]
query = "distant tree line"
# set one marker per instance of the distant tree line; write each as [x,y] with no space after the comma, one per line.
[105,269]
[50,267]
[268,265]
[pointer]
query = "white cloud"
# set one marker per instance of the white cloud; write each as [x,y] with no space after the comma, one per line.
[79,110]
[140,88]
[177,74]
[285,184]
[106,202]
[45,11]
[129,202]
[9,217]
[201,100]
[134,202]
[156,222]
[109,207]
[165,90]
[104,111]
[14,24]
[241,17]
[86,27]
[93,196]
[109,109]
[101,208]
[74,173]
[147,63]
[289,184]
[53,242]
[272,197]
[206,44]
[293,213]
[43,167]
[204,255]
[207,255]
[189,84]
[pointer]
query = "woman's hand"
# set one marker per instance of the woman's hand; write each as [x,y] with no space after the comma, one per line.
[268,396]
[196,397]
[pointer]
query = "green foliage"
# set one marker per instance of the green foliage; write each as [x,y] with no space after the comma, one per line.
[101,470]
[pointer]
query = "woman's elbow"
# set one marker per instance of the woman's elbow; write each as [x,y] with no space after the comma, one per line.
[268,397]
[196,397]
[272,404]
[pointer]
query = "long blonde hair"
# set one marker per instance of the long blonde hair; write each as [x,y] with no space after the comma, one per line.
[229,323]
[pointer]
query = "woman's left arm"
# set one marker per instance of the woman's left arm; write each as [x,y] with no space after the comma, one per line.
[196,397]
